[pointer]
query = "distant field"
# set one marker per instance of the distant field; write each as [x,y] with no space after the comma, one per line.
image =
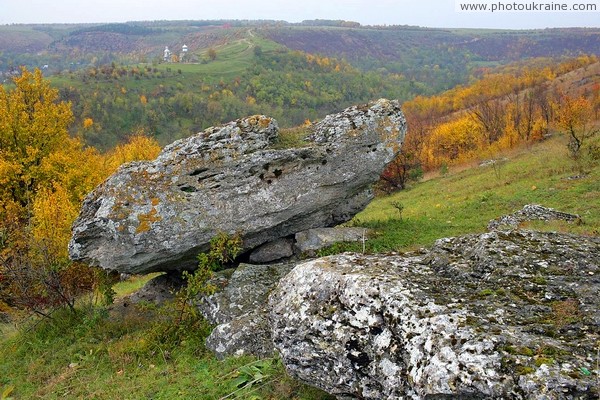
[232,60]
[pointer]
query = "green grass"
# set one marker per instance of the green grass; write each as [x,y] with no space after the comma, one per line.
[132,284]
[139,351]
[466,201]
[292,138]
[134,352]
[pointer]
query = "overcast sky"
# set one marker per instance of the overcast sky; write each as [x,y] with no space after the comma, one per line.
[431,13]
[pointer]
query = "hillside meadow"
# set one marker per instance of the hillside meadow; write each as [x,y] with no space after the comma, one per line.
[130,352]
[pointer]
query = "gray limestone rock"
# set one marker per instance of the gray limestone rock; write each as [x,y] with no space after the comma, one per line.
[310,241]
[273,251]
[158,215]
[530,212]
[246,334]
[240,311]
[501,315]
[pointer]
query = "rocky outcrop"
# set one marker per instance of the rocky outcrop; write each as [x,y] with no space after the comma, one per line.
[530,212]
[158,215]
[501,315]
[240,311]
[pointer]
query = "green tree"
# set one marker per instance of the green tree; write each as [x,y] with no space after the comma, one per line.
[212,54]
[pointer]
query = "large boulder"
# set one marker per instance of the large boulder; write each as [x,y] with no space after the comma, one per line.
[158,215]
[502,315]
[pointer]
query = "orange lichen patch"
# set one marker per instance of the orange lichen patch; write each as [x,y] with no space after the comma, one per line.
[155,201]
[354,132]
[146,221]
[264,122]
[119,212]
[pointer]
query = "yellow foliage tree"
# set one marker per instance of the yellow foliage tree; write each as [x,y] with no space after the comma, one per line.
[452,141]
[139,147]
[53,214]
[44,176]
[88,123]
[39,166]
[212,54]
[33,125]
[575,118]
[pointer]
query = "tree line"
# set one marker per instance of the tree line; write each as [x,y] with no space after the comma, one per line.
[290,86]
[501,110]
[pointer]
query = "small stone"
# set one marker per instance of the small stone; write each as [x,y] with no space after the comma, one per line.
[273,251]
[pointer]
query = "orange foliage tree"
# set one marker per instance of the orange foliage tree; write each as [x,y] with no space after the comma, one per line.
[498,111]
[575,118]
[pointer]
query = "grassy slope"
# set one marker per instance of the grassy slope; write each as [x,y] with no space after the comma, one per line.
[465,201]
[123,354]
[131,352]
[233,58]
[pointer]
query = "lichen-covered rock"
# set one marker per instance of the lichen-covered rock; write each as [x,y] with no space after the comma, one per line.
[240,311]
[530,212]
[158,215]
[310,241]
[502,315]
[243,335]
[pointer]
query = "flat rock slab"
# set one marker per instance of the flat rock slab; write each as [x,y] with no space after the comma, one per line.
[158,215]
[273,251]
